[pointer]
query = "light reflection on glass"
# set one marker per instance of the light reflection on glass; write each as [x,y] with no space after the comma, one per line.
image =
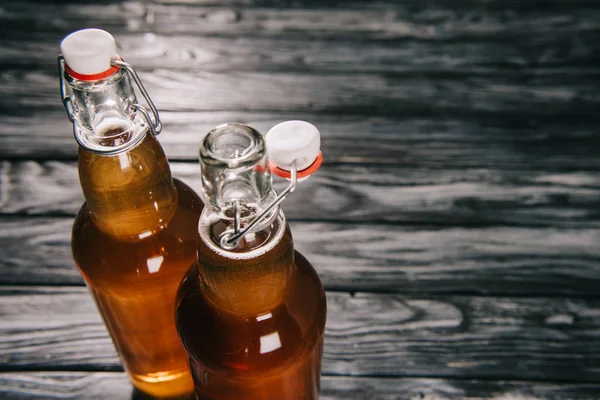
[124,160]
[154,263]
[145,234]
[264,317]
[269,343]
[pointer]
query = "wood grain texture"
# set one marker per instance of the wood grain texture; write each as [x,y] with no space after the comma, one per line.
[366,94]
[476,87]
[307,20]
[467,37]
[114,385]
[550,144]
[150,51]
[455,222]
[408,196]
[366,334]
[491,261]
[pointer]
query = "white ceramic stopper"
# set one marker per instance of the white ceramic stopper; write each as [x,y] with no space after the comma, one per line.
[89,51]
[293,140]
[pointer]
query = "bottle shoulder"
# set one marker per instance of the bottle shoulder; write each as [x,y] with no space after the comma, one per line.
[308,292]
[174,247]
[250,343]
[188,203]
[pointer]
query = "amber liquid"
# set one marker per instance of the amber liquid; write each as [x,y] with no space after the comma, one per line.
[253,328]
[134,278]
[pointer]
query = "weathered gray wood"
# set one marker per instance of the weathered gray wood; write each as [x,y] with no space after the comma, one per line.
[499,261]
[476,86]
[378,94]
[485,114]
[65,385]
[174,51]
[114,385]
[449,197]
[307,20]
[550,144]
[343,388]
[366,334]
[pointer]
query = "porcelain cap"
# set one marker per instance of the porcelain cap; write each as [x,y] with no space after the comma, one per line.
[89,51]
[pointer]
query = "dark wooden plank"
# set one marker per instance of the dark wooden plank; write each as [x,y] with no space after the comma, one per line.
[381,94]
[493,261]
[362,257]
[414,142]
[65,385]
[384,20]
[366,334]
[422,196]
[114,385]
[446,389]
[460,56]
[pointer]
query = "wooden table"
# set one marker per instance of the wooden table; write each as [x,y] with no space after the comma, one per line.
[455,223]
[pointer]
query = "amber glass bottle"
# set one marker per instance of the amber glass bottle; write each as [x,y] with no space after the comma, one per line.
[251,317]
[135,236]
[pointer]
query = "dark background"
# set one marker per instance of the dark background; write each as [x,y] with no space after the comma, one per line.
[455,222]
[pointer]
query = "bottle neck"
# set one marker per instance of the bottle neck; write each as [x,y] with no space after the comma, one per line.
[105,113]
[123,170]
[249,276]
[253,279]
[130,195]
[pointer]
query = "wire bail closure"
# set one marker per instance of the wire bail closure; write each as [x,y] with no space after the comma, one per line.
[151,118]
[66,99]
[154,120]
[230,239]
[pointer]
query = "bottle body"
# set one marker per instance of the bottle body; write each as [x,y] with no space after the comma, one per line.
[253,327]
[132,241]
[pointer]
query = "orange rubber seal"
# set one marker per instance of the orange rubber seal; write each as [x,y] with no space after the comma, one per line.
[301,174]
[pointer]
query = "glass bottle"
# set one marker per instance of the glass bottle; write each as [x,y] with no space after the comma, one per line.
[135,235]
[251,315]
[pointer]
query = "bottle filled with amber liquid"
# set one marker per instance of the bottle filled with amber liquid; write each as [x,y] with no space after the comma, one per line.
[135,235]
[251,311]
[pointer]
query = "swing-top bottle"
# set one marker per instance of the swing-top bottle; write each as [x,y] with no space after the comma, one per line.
[251,312]
[135,235]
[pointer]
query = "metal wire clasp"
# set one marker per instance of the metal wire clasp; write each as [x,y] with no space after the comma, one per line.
[64,89]
[153,119]
[231,237]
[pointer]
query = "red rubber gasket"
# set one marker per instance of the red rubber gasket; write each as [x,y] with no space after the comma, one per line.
[94,77]
[301,174]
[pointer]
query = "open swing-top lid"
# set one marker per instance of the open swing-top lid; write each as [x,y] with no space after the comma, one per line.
[291,141]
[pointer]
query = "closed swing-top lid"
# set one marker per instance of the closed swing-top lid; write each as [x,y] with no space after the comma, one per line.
[89,52]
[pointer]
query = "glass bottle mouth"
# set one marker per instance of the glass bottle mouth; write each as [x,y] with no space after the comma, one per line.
[235,172]
[232,146]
